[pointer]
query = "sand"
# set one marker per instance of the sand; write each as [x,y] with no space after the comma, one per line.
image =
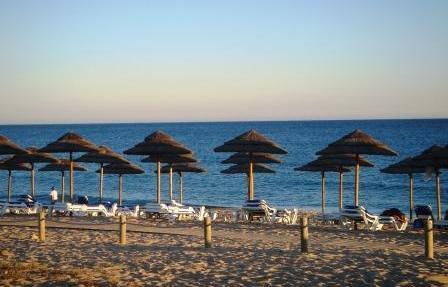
[242,255]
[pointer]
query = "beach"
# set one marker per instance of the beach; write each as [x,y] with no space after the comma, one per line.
[173,254]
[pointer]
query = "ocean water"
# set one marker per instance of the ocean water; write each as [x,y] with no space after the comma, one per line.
[285,188]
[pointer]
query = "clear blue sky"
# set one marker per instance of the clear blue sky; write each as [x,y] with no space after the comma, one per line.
[149,61]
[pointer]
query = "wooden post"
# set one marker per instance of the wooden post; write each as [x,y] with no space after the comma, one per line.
[341,186]
[32,180]
[357,180]
[181,192]
[101,182]
[251,181]
[120,189]
[42,225]
[9,185]
[439,207]
[207,232]
[62,185]
[158,181]
[323,191]
[71,178]
[170,191]
[304,234]
[411,187]
[123,229]
[429,252]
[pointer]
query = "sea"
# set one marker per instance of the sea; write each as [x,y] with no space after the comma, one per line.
[284,189]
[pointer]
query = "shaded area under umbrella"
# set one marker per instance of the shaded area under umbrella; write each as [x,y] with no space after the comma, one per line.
[70,143]
[357,143]
[10,167]
[180,168]
[104,155]
[170,159]
[251,142]
[410,167]
[62,165]
[32,157]
[156,145]
[322,168]
[436,158]
[121,169]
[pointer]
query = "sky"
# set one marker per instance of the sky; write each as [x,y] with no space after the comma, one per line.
[169,61]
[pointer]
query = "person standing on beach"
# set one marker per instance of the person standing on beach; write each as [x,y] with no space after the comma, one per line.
[53,195]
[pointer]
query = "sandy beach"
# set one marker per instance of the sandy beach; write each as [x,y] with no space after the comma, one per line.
[164,254]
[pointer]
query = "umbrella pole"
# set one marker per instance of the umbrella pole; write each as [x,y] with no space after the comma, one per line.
[181,192]
[120,189]
[411,187]
[439,208]
[323,191]
[9,185]
[341,186]
[251,179]
[62,185]
[248,185]
[158,181]
[32,180]
[171,183]
[357,180]
[71,178]
[101,181]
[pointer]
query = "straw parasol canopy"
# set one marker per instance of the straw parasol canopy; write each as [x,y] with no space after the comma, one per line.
[62,165]
[251,142]
[180,168]
[244,157]
[10,166]
[407,166]
[315,166]
[357,143]
[8,147]
[157,145]
[435,157]
[104,155]
[33,156]
[121,169]
[70,143]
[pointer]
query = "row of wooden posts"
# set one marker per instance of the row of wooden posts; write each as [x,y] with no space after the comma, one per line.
[429,251]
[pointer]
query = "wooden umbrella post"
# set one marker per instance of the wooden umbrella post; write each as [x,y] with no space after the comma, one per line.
[323,191]
[357,180]
[171,183]
[181,192]
[439,208]
[101,182]
[62,185]
[411,187]
[251,180]
[429,240]
[207,232]
[9,185]
[158,181]
[341,186]
[120,189]
[32,180]
[304,234]
[71,178]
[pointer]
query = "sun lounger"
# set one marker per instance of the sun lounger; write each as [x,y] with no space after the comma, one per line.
[132,212]
[390,220]
[358,214]
[19,208]
[258,210]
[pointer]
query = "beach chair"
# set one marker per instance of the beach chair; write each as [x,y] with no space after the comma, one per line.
[132,212]
[395,218]
[258,210]
[95,210]
[358,214]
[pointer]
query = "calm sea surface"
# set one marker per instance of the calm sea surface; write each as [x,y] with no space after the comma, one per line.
[285,188]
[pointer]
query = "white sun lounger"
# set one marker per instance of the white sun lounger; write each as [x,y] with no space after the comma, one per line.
[19,208]
[350,214]
[132,212]
[390,220]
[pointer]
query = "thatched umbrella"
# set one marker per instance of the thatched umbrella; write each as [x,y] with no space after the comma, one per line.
[357,143]
[62,165]
[120,169]
[170,159]
[70,143]
[9,166]
[181,168]
[32,157]
[340,160]
[104,155]
[436,158]
[156,145]
[315,166]
[407,166]
[8,147]
[251,142]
